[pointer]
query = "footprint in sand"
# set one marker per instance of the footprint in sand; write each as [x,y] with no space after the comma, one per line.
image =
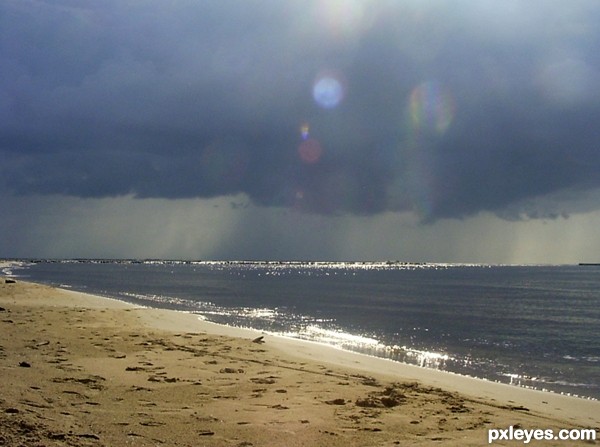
[231,371]
[264,380]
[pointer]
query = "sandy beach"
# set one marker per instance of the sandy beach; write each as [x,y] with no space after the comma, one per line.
[80,370]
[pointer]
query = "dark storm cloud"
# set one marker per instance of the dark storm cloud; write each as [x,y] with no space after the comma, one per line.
[446,108]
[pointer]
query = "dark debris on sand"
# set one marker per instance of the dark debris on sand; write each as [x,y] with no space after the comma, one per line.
[18,431]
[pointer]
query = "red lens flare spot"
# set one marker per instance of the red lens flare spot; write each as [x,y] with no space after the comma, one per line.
[310,151]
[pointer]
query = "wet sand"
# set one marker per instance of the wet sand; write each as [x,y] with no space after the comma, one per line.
[80,370]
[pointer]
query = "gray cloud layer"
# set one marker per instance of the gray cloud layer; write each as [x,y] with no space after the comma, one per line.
[447,109]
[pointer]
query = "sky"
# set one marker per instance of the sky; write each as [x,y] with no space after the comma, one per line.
[413,130]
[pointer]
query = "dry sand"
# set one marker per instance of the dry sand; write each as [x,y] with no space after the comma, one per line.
[80,370]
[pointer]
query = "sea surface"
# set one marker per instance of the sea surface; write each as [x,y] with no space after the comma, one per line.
[531,326]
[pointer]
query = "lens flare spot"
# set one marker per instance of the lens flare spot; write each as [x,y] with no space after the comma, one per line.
[304,129]
[431,108]
[310,151]
[329,90]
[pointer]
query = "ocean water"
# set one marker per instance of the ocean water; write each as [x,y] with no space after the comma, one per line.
[531,326]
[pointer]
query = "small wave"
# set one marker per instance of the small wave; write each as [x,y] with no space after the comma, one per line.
[331,336]
[573,384]
[169,301]
[542,383]
[587,358]
[515,379]
[262,314]
[425,359]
